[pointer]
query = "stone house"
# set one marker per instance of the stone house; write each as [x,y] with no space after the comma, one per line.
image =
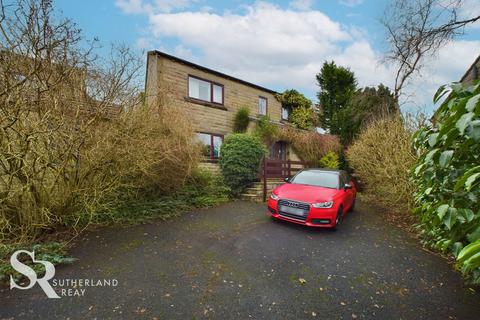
[472,73]
[211,100]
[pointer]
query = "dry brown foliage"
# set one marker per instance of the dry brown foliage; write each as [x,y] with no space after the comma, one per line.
[309,145]
[382,156]
[73,135]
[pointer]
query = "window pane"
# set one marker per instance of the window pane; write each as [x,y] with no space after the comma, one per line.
[262,106]
[205,139]
[199,89]
[284,113]
[217,94]
[217,142]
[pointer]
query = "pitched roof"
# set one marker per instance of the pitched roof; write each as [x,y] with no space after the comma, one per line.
[470,68]
[217,73]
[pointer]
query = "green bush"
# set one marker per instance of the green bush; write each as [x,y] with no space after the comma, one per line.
[240,123]
[447,174]
[240,160]
[330,160]
[303,118]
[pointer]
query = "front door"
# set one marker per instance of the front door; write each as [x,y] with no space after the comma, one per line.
[279,150]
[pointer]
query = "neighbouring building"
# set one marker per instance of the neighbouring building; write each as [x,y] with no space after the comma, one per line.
[472,73]
[212,99]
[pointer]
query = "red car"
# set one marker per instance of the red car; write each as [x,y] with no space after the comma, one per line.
[314,197]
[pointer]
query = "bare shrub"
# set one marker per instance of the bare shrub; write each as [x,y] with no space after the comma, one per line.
[309,145]
[73,135]
[382,156]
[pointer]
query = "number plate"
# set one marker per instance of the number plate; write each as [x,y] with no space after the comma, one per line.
[295,211]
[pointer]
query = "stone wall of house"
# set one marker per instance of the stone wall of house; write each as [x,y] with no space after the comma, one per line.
[473,73]
[171,80]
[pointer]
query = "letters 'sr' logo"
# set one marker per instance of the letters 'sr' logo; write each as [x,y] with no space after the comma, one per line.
[32,275]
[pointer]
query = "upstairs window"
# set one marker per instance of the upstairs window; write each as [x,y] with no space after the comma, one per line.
[285,113]
[262,106]
[205,90]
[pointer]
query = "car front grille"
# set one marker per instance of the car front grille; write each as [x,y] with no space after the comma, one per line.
[305,207]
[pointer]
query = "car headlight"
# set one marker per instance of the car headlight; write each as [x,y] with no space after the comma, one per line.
[323,205]
[274,196]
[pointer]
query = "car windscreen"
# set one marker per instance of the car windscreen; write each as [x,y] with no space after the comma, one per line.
[317,178]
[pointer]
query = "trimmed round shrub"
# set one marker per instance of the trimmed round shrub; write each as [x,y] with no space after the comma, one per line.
[240,123]
[240,159]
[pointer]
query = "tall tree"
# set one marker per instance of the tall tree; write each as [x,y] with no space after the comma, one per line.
[417,29]
[337,86]
[366,105]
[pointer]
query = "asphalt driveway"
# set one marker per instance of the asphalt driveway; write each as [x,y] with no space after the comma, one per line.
[234,262]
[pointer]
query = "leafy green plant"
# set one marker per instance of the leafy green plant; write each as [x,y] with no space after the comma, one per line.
[292,99]
[240,161]
[330,160]
[241,120]
[303,118]
[447,174]
[53,252]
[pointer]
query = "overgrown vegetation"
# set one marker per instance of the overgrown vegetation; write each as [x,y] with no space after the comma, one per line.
[202,189]
[240,161]
[382,156]
[241,120]
[74,138]
[303,118]
[447,175]
[309,146]
[300,109]
[265,130]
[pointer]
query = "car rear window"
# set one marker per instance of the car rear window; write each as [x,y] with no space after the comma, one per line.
[317,178]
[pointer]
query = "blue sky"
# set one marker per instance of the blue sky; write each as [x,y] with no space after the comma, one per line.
[277,44]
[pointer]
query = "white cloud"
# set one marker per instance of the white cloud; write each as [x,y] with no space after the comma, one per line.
[131,6]
[285,48]
[301,4]
[351,3]
[267,44]
[150,7]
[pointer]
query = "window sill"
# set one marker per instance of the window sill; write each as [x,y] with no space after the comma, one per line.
[206,103]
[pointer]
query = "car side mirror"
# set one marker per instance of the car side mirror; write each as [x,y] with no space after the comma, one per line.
[287,180]
[347,186]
